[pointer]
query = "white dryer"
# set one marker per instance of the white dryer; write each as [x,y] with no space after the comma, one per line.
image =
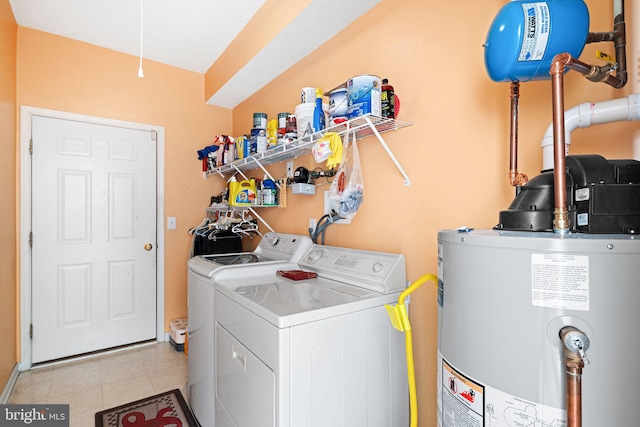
[314,352]
[273,249]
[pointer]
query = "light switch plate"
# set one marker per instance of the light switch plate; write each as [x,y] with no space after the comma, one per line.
[171,223]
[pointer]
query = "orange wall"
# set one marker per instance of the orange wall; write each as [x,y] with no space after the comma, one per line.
[62,74]
[456,152]
[8,303]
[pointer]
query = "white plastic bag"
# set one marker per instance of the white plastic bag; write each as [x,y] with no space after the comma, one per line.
[347,189]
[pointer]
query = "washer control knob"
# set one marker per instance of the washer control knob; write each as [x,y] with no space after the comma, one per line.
[315,256]
[377,267]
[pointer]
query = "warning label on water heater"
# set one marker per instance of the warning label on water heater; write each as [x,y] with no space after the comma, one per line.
[536,31]
[560,281]
[462,400]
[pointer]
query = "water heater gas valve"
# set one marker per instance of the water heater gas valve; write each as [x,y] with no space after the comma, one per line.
[575,343]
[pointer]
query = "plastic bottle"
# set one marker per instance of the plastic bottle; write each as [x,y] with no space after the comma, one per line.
[388,100]
[219,152]
[231,148]
[318,113]
[232,191]
[272,131]
[227,154]
[269,192]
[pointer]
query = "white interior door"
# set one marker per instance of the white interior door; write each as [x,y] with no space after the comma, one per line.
[94,237]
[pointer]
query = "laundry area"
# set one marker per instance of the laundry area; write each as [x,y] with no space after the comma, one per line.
[369,213]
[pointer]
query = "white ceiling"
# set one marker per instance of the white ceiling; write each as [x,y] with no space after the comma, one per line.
[191,34]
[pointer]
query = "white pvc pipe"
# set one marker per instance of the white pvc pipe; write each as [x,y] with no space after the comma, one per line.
[633,67]
[588,114]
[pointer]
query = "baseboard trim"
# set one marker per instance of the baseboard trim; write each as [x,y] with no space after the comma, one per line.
[11,382]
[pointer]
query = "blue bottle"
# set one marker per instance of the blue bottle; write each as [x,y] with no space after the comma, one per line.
[318,113]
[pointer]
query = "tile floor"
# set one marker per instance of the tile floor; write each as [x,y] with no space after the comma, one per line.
[103,381]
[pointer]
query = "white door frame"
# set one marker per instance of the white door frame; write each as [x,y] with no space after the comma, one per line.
[26,114]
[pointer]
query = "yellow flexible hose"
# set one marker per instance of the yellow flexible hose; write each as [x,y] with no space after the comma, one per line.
[400,320]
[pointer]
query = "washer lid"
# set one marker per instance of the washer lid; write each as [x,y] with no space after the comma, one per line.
[286,303]
[273,248]
[232,259]
[208,265]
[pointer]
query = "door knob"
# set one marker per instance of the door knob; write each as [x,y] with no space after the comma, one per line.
[148,246]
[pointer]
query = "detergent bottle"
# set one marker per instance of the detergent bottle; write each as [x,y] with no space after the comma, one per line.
[269,192]
[318,113]
[242,193]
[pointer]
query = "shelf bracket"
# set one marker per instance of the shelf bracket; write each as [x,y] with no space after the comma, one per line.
[407,181]
[239,171]
[266,172]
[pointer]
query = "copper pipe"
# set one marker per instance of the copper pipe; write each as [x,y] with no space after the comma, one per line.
[560,213]
[573,375]
[594,73]
[515,178]
[574,346]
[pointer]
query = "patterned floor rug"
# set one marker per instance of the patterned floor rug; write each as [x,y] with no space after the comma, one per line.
[166,409]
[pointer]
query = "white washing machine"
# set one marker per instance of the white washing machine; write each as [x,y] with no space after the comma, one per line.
[314,352]
[274,248]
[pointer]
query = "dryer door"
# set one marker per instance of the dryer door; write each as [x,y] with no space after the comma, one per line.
[245,386]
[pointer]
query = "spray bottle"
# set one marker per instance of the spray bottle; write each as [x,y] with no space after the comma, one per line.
[231,148]
[318,113]
[219,152]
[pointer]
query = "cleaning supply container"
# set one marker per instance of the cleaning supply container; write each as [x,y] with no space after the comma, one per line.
[318,113]
[304,118]
[269,192]
[364,95]
[242,193]
[338,106]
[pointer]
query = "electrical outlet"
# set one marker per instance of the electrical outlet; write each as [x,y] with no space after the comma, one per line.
[312,224]
[290,169]
[327,210]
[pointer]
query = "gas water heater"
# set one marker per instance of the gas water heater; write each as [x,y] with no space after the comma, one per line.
[537,328]
[504,298]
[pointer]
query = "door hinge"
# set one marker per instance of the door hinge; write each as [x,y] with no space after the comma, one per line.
[31,146]
[31,239]
[154,135]
[31,331]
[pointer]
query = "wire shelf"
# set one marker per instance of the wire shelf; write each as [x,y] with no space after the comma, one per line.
[363,127]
